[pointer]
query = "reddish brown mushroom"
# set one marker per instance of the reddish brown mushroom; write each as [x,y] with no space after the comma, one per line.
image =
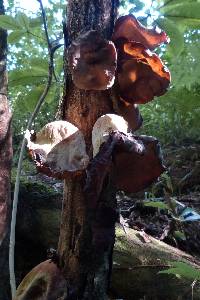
[92,61]
[141,74]
[58,150]
[134,172]
[131,113]
[45,281]
[131,29]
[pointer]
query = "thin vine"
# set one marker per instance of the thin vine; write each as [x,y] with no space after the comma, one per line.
[51,51]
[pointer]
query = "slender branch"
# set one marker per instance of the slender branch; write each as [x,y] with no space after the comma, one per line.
[45,25]
[19,167]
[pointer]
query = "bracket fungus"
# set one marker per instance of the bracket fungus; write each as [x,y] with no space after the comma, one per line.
[131,113]
[103,126]
[131,163]
[141,74]
[134,172]
[45,281]
[92,61]
[135,161]
[129,28]
[58,150]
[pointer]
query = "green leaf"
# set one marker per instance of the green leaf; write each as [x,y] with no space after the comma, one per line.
[39,63]
[182,269]
[179,235]
[32,97]
[26,76]
[10,23]
[15,36]
[182,10]
[23,20]
[157,204]
[190,23]
[35,22]
[176,44]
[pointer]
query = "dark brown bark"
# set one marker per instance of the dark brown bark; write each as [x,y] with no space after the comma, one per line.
[86,268]
[5,166]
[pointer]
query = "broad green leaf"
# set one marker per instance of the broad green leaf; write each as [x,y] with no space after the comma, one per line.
[23,20]
[35,22]
[180,235]
[39,63]
[137,6]
[15,36]
[9,23]
[182,10]
[52,94]
[176,44]
[190,23]
[32,97]
[26,77]
[182,269]
[157,204]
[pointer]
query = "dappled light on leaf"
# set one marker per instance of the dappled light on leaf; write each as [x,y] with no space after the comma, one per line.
[58,150]
[92,61]
[141,74]
[131,29]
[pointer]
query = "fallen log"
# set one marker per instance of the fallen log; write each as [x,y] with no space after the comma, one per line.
[137,257]
[137,260]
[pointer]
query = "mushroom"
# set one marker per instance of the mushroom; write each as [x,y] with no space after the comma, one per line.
[45,281]
[141,74]
[136,160]
[134,172]
[103,126]
[58,150]
[92,61]
[129,28]
[131,113]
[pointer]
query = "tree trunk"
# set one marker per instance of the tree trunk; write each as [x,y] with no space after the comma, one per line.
[5,165]
[86,269]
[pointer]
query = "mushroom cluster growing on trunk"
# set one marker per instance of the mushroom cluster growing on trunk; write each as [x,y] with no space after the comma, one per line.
[131,162]
[136,75]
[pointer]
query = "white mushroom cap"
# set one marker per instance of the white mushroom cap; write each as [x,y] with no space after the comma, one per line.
[59,148]
[103,126]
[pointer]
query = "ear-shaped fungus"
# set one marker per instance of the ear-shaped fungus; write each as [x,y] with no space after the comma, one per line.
[58,150]
[131,113]
[45,281]
[141,74]
[134,172]
[103,126]
[92,61]
[129,28]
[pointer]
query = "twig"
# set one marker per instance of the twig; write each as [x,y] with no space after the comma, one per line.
[19,167]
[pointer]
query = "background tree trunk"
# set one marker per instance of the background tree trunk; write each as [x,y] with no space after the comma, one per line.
[86,269]
[5,166]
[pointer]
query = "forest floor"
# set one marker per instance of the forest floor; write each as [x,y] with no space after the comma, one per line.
[170,209]
[172,214]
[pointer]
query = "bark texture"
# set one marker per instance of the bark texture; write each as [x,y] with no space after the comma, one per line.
[5,165]
[86,268]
